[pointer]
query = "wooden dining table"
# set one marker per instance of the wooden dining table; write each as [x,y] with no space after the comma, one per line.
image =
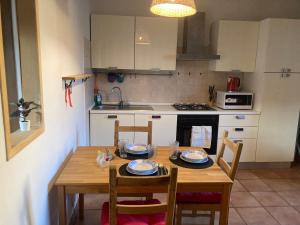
[82,175]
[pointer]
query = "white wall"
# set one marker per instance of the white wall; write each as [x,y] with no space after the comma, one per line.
[188,86]
[24,179]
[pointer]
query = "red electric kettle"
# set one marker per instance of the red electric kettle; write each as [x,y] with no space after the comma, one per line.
[233,84]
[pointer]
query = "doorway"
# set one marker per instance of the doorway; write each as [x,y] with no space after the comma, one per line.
[297,147]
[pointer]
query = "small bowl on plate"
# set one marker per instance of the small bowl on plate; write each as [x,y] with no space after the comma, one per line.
[194,156]
[136,149]
[142,167]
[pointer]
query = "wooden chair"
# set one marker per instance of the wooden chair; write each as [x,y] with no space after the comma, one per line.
[209,201]
[119,129]
[148,130]
[139,212]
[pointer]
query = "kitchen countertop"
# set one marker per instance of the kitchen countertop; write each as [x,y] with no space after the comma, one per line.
[168,109]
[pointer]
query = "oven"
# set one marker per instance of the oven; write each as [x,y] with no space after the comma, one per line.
[184,129]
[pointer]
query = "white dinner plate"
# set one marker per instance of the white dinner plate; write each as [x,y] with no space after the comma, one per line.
[136,149]
[141,173]
[142,167]
[194,156]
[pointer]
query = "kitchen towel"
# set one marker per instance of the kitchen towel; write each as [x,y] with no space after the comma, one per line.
[201,136]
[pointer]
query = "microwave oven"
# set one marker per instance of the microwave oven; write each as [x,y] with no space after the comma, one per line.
[234,100]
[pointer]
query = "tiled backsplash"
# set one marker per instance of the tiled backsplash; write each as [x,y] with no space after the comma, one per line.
[188,86]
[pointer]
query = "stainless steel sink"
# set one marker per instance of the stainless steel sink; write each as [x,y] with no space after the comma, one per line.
[124,107]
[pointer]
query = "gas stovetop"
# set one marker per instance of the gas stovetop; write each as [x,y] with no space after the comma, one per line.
[192,107]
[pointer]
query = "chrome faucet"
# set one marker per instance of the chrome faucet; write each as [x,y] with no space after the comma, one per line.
[119,93]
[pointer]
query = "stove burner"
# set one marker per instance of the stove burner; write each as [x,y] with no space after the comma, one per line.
[192,107]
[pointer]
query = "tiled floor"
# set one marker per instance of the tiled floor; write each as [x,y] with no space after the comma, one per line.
[259,197]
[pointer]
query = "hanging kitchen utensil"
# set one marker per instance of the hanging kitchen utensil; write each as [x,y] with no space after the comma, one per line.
[111,77]
[120,77]
[68,92]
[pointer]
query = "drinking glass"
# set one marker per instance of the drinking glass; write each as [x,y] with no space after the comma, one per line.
[122,145]
[152,152]
[174,149]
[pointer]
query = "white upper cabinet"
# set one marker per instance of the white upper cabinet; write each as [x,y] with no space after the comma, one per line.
[112,40]
[279,41]
[236,43]
[155,43]
[128,42]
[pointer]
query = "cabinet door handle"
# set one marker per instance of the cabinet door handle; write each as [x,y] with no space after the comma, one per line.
[239,129]
[240,117]
[238,141]
[156,116]
[112,67]
[155,69]
[112,116]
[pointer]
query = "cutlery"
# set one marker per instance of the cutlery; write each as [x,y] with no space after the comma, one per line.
[165,171]
[161,169]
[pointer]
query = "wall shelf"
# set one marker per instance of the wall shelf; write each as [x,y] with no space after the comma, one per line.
[77,77]
[68,84]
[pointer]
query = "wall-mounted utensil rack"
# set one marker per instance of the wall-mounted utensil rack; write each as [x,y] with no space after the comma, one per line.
[73,78]
[68,86]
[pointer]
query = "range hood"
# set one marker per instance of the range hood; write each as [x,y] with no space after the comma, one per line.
[193,47]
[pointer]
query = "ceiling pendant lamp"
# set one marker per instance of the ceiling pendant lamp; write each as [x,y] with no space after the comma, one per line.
[173,8]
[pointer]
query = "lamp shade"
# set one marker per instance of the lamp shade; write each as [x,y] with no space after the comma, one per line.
[173,8]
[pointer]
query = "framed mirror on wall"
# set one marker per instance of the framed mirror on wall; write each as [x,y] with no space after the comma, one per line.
[21,88]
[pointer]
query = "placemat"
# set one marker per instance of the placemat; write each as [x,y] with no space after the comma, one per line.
[181,163]
[160,172]
[132,156]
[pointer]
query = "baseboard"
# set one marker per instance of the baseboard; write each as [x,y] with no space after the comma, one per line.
[264,165]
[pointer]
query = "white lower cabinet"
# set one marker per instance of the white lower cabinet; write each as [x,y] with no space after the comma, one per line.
[102,128]
[248,151]
[239,132]
[241,120]
[163,128]
[243,128]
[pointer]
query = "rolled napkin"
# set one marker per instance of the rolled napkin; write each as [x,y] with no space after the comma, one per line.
[103,159]
[201,136]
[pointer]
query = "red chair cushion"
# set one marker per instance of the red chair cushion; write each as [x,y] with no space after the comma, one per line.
[124,219]
[199,197]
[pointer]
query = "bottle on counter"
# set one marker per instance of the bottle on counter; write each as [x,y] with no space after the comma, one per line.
[98,98]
